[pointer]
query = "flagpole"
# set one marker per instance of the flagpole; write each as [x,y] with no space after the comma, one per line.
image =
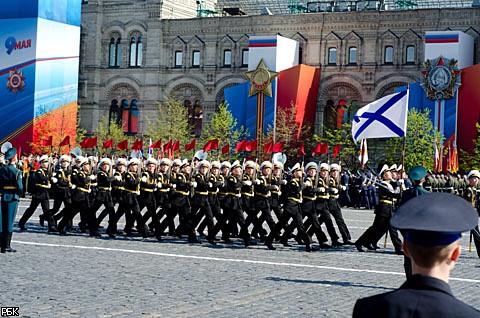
[403,159]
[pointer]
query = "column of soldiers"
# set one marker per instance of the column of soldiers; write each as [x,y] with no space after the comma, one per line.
[230,198]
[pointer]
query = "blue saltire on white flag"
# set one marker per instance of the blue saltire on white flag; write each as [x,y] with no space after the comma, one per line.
[383,118]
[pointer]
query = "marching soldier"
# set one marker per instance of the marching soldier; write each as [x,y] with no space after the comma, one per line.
[249,177]
[104,195]
[292,210]
[40,196]
[162,195]
[11,188]
[200,203]
[171,213]
[383,213]
[334,189]
[216,181]
[222,195]
[470,194]
[233,203]
[279,182]
[148,187]
[118,195]
[81,199]
[181,201]
[263,190]
[62,192]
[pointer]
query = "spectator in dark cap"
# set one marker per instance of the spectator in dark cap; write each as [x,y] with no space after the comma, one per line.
[431,226]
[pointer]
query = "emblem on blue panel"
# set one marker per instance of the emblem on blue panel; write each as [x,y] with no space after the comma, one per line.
[441,78]
[15,81]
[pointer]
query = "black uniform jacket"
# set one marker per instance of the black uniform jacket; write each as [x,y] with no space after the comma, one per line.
[420,296]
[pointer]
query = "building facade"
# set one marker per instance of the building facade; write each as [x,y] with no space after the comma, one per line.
[135,53]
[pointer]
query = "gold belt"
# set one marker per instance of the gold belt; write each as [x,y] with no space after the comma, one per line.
[201,193]
[310,198]
[323,197]
[386,201]
[131,191]
[182,192]
[83,189]
[119,188]
[9,188]
[104,188]
[164,190]
[333,196]
[247,194]
[299,200]
[234,194]
[263,195]
[44,186]
[146,190]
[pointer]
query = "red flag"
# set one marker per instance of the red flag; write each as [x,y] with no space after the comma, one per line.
[317,149]
[241,145]
[325,148]
[251,145]
[268,148]
[92,142]
[301,151]
[210,145]
[122,145]
[278,147]
[191,145]
[84,143]
[107,144]
[336,150]
[176,145]
[48,142]
[225,149]
[168,145]
[156,144]
[65,141]
[137,144]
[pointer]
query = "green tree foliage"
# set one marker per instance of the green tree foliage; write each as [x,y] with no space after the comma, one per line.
[171,123]
[110,130]
[222,127]
[420,141]
[342,136]
[469,161]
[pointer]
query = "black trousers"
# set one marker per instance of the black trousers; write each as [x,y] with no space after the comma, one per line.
[292,211]
[108,210]
[86,215]
[336,212]
[45,203]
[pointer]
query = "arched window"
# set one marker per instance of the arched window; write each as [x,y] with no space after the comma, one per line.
[388,58]
[329,115]
[341,113]
[130,117]
[352,55]
[410,54]
[332,56]
[115,52]
[136,51]
[227,58]
[114,113]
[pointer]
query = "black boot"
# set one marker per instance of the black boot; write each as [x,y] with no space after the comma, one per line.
[2,244]
[41,220]
[8,239]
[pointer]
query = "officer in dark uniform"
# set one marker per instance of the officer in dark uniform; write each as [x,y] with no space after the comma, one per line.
[215,182]
[334,189]
[40,196]
[132,190]
[470,194]
[292,210]
[249,176]
[162,195]
[11,188]
[279,181]
[263,188]
[431,226]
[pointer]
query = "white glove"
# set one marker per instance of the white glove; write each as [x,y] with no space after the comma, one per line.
[344,188]
[284,182]
[118,178]
[210,185]
[89,190]
[144,179]
[54,174]
[92,177]
[308,183]
[258,182]
[276,188]
[322,189]
[159,185]
[174,186]
[335,190]
[54,180]
[73,186]
[194,184]
[247,183]
[49,186]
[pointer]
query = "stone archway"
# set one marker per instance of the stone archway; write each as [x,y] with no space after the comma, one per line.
[192,98]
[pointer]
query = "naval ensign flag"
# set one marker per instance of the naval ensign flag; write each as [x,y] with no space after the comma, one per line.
[385,117]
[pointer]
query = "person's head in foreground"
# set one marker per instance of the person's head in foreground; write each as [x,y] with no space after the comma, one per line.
[431,226]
